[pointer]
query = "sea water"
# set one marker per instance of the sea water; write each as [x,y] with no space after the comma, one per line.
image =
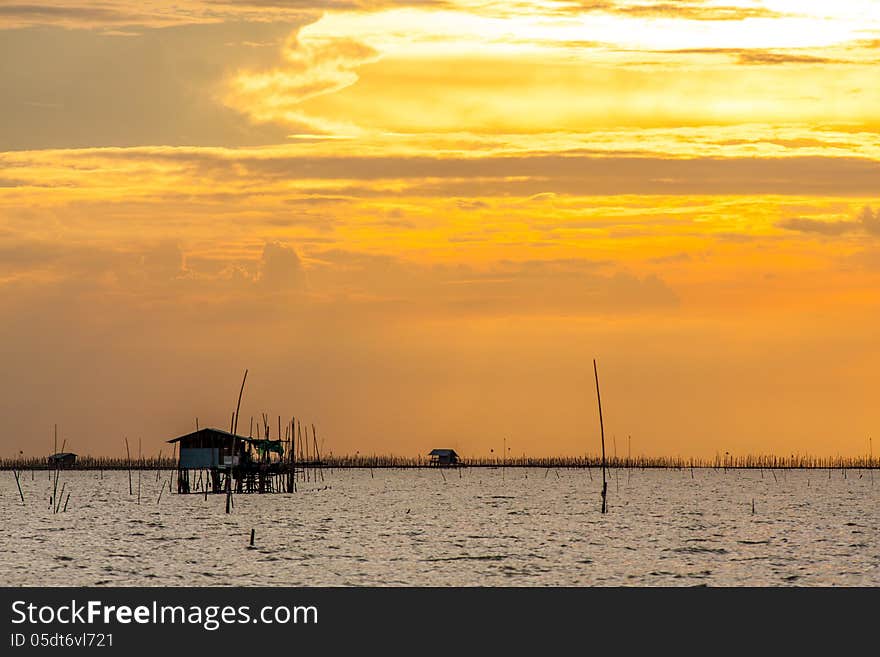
[450,527]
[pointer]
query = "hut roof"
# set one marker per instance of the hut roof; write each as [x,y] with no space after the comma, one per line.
[442,452]
[61,455]
[208,432]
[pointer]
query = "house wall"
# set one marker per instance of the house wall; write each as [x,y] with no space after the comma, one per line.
[206,457]
[199,457]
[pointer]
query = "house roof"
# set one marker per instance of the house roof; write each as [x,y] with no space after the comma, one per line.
[442,452]
[208,431]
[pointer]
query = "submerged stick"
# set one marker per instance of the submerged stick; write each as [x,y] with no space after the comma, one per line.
[629,467]
[55,485]
[18,483]
[173,462]
[55,492]
[128,457]
[602,431]
[58,503]
[616,465]
[140,469]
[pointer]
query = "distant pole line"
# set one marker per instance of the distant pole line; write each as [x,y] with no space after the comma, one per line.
[758,462]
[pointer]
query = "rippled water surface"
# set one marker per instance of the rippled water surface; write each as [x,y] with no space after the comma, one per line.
[469,527]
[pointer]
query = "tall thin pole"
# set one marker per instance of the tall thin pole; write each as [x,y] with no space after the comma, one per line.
[629,443]
[238,405]
[602,430]
[234,445]
[55,453]
[128,458]
[140,468]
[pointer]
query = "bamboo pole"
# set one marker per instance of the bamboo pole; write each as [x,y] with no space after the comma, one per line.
[629,440]
[58,503]
[140,469]
[602,431]
[54,490]
[128,458]
[616,464]
[234,444]
[174,466]
[55,485]
[317,453]
[18,483]
[293,443]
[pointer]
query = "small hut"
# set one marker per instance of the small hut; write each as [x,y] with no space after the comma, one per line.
[215,461]
[211,452]
[443,457]
[62,460]
[211,448]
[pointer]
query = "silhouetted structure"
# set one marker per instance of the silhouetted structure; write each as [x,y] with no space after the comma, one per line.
[62,460]
[211,448]
[255,466]
[443,457]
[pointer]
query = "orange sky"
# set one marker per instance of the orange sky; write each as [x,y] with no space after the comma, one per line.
[416,223]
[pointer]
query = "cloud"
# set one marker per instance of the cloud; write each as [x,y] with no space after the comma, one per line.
[73,88]
[765,57]
[672,258]
[163,261]
[757,56]
[333,5]
[819,227]
[87,14]
[868,221]
[693,10]
[564,286]
[312,68]
[526,174]
[360,176]
[102,15]
[281,268]
[147,276]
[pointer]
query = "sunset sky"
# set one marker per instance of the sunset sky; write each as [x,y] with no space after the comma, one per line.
[417,222]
